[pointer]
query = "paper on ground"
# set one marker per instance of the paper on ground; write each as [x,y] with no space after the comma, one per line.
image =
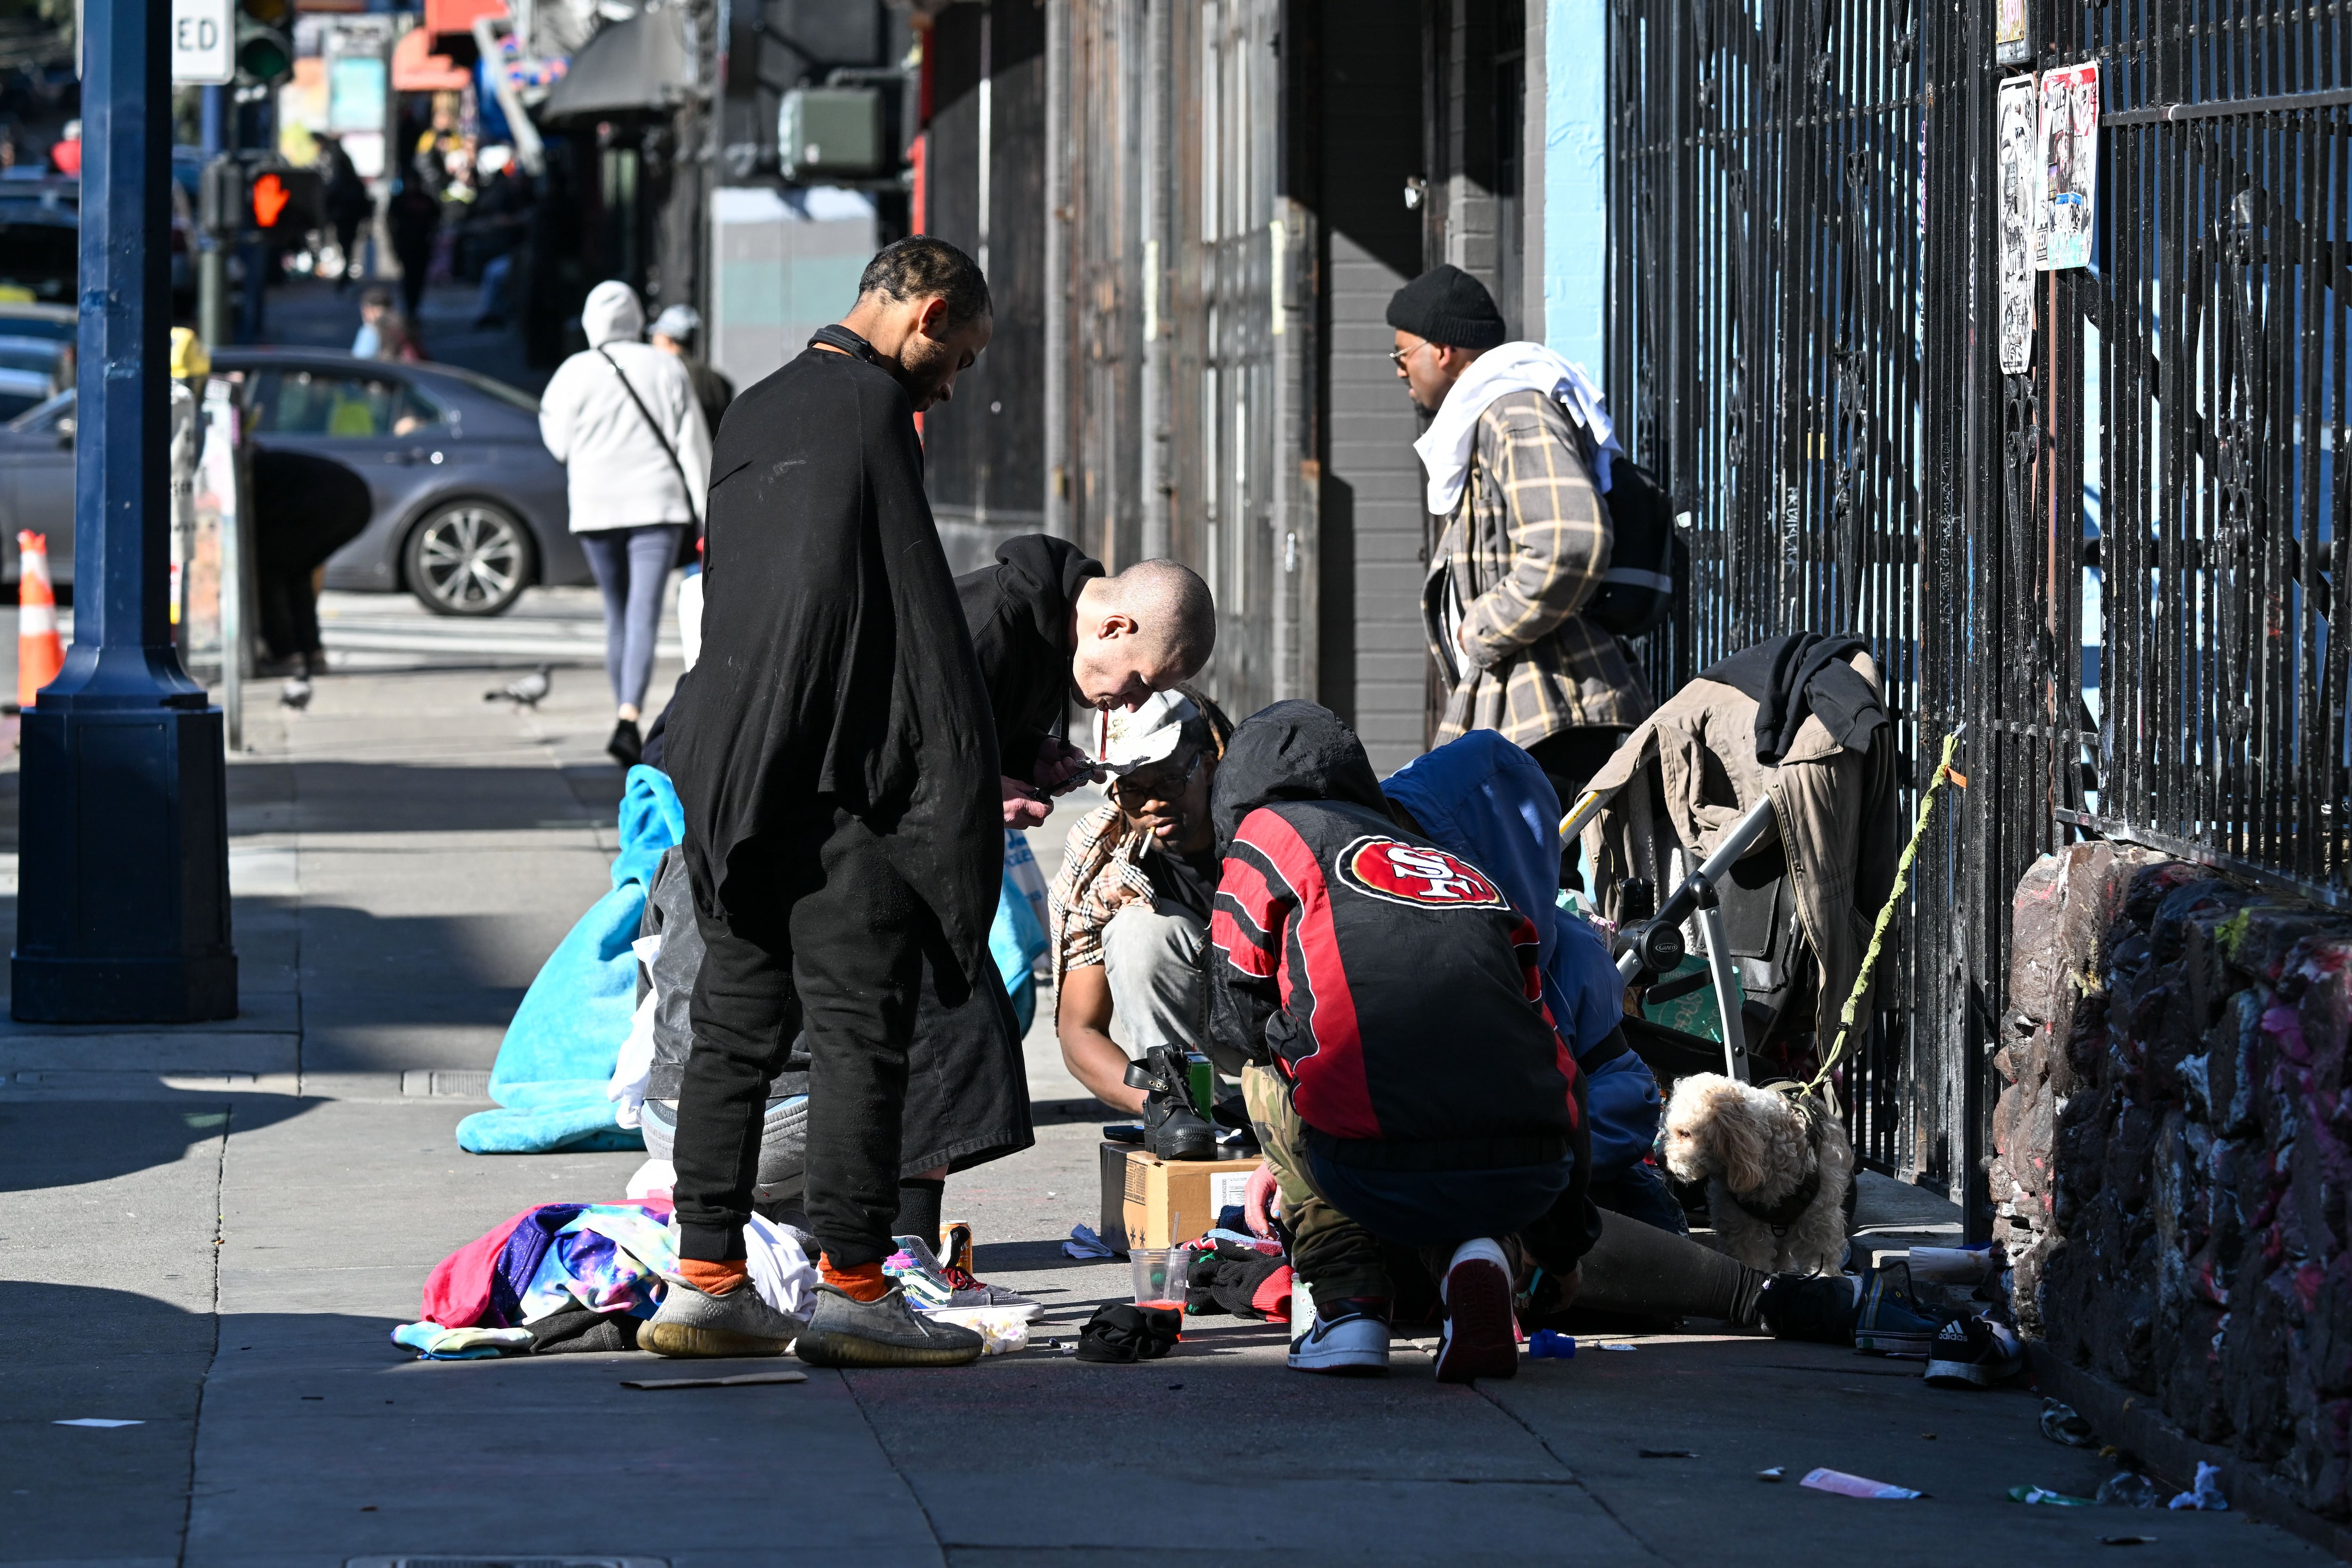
[1844,1485]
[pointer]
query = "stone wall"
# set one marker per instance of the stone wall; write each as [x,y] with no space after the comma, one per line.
[2174,1150]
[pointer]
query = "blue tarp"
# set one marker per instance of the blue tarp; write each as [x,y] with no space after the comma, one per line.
[559,1052]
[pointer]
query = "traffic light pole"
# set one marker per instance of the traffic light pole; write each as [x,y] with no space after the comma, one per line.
[211,246]
[123,909]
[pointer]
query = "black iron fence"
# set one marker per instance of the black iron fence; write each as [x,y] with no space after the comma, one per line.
[2115,567]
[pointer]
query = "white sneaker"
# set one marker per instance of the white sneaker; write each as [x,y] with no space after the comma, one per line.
[1352,1344]
[1481,1327]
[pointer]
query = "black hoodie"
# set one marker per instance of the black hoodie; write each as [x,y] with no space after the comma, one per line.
[1019,614]
[1390,981]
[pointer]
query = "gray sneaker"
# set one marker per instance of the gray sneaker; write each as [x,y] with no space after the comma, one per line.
[846,1332]
[691,1324]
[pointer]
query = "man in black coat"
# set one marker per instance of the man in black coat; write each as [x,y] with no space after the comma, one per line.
[833,754]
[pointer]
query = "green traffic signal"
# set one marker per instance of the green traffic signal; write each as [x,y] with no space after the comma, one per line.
[263,55]
[264,52]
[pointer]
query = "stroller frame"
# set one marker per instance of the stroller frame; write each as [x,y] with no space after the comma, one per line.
[1656,945]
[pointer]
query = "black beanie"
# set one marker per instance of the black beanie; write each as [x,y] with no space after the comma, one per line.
[1450,308]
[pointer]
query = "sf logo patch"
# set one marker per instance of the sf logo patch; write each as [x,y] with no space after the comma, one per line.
[1413,874]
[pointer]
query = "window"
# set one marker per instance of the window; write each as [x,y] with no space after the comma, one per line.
[292,402]
[56,415]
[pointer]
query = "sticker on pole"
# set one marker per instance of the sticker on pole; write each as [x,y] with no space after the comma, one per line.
[204,43]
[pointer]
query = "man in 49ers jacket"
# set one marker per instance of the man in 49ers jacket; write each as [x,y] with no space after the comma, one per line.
[1407,1080]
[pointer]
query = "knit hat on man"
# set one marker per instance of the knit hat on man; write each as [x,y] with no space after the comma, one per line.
[1448,307]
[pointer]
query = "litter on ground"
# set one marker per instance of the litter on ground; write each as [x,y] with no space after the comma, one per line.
[1844,1485]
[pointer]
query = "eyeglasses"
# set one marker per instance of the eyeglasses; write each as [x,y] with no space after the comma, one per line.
[1143,787]
[1397,357]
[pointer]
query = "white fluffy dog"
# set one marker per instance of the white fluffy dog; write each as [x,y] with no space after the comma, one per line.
[1777,1168]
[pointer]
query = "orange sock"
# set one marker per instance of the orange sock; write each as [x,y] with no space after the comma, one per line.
[863,1283]
[713,1279]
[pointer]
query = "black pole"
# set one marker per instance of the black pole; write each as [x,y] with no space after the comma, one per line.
[123,912]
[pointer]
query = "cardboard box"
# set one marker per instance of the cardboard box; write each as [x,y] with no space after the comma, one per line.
[1165,1202]
[1112,1226]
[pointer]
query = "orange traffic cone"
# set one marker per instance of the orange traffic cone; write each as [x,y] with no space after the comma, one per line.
[39,654]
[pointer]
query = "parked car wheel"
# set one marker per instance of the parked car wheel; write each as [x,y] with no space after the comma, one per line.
[467,558]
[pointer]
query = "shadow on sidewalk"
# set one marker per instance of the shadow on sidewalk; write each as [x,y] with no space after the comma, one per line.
[54,1142]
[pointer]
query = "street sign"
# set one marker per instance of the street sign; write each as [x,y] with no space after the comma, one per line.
[203,42]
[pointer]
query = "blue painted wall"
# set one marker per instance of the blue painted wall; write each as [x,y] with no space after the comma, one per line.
[1575,190]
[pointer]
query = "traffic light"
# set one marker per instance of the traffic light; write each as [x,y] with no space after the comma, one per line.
[287,201]
[265,49]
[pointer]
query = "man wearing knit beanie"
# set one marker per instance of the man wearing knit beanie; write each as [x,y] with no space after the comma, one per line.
[1518,455]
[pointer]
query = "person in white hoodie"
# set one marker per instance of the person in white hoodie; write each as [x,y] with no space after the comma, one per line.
[623,420]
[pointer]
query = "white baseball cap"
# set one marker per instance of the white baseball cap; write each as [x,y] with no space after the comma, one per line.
[1125,741]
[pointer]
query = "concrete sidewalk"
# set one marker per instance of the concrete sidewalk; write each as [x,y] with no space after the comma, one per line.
[211,1231]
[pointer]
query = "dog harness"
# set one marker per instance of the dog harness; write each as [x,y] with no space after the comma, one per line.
[1783,1216]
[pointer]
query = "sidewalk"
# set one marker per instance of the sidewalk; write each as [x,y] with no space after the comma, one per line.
[211,1231]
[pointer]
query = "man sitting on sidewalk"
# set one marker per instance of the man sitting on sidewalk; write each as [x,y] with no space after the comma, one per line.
[1130,910]
[1405,1077]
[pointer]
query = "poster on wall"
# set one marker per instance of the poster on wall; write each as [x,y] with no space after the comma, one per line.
[2019,190]
[2069,164]
[2008,48]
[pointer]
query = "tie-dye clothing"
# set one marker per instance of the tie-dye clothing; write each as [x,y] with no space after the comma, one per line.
[609,1259]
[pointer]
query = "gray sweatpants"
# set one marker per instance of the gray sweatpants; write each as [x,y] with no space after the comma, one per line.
[1154,960]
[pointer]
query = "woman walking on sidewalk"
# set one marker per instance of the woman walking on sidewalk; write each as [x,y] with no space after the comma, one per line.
[622,419]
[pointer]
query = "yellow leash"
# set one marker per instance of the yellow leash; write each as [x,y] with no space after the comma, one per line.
[1944,769]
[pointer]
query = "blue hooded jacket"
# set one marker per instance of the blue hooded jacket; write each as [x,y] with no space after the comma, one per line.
[1484,799]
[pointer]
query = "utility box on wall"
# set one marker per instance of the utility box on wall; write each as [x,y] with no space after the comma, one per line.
[830,132]
[782,266]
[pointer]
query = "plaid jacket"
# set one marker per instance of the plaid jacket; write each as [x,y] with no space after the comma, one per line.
[1523,551]
[1102,869]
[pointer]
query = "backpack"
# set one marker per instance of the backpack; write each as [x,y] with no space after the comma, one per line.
[1649,561]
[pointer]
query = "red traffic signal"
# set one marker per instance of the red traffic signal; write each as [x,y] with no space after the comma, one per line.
[270,199]
[286,201]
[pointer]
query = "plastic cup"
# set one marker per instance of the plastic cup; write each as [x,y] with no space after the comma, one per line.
[1160,1275]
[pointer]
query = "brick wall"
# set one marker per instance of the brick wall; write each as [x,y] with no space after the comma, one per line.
[2174,1150]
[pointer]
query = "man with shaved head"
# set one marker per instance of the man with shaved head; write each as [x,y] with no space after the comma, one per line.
[1049,626]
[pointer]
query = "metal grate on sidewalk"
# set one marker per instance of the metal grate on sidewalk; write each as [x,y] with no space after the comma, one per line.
[443,1083]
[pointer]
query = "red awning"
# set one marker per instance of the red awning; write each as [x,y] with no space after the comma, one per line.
[458,15]
[416,68]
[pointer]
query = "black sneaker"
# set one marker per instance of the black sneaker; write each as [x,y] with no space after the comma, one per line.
[627,746]
[1974,1352]
[1821,1307]
[1892,1321]
[1173,1127]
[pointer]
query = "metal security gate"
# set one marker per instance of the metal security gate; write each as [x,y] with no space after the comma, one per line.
[2115,566]
[2215,327]
[1183,416]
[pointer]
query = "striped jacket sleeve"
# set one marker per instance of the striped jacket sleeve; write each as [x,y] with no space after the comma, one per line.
[1248,929]
[1559,533]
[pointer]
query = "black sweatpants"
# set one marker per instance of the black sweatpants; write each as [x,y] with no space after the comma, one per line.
[305,508]
[835,946]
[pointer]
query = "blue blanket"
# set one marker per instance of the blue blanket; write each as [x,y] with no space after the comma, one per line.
[560,1050]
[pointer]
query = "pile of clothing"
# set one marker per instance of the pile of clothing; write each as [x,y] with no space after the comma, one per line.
[580,1276]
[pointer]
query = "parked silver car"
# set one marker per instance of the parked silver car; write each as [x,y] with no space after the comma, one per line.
[469,508]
